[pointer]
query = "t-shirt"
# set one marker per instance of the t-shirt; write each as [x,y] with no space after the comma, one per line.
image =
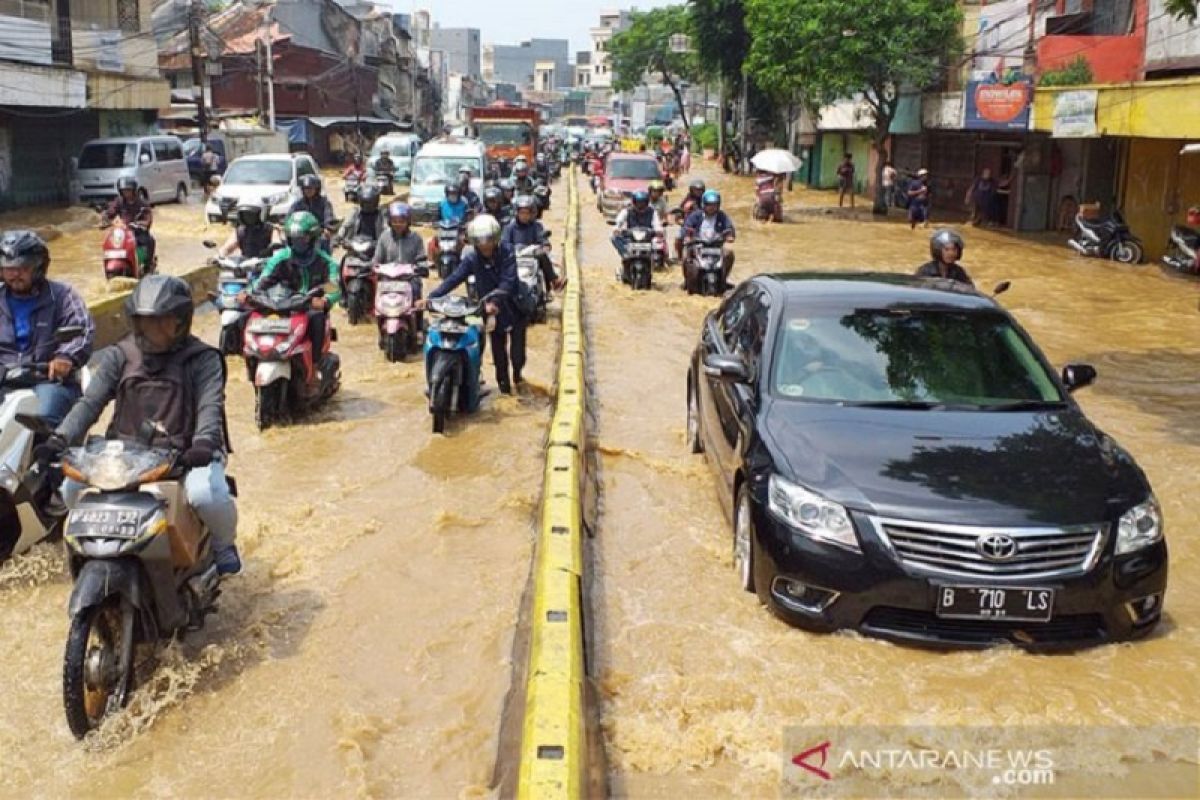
[21,309]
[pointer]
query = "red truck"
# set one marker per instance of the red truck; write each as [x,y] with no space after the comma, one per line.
[507,131]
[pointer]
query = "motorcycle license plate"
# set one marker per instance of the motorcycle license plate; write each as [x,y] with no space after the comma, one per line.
[1023,604]
[640,249]
[114,253]
[271,325]
[390,287]
[452,327]
[113,523]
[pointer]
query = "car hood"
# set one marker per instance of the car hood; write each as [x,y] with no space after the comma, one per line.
[994,468]
[626,184]
[257,191]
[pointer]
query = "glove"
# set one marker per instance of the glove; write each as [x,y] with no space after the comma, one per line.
[49,451]
[200,454]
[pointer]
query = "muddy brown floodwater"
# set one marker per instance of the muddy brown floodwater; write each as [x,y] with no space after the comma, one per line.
[697,681]
[367,648]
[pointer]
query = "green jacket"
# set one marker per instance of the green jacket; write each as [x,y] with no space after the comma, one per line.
[281,270]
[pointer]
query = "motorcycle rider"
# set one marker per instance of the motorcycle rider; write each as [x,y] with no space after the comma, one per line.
[400,244]
[364,220]
[163,374]
[317,204]
[302,266]
[451,209]
[129,207]
[706,222]
[521,177]
[638,214]
[526,230]
[252,237]
[385,166]
[464,188]
[494,267]
[691,202]
[658,200]
[493,203]
[946,247]
[356,169]
[508,187]
[32,308]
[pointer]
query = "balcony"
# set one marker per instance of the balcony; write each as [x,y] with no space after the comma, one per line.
[1109,34]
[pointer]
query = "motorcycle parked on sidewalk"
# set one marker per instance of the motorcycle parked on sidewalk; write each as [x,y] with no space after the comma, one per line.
[529,272]
[1183,245]
[358,278]
[1106,237]
[453,354]
[400,324]
[638,262]
[707,256]
[288,377]
[142,566]
[447,236]
[123,256]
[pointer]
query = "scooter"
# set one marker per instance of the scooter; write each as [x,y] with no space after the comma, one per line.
[351,187]
[638,261]
[529,272]
[541,193]
[707,255]
[288,377]
[453,352]
[142,566]
[400,325]
[358,278]
[446,242]
[235,276]
[1183,245]
[123,256]
[1106,237]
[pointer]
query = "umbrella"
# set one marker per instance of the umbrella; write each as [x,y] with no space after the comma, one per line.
[775,160]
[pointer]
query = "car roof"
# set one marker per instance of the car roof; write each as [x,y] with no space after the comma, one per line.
[873,289]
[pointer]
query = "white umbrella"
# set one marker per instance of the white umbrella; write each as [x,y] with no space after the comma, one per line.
[775,160]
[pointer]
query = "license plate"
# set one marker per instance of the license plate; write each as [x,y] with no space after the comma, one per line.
[110,523]
[271,325]
[995,602]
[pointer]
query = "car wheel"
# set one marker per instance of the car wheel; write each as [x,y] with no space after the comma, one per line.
[743,540]
[693,419]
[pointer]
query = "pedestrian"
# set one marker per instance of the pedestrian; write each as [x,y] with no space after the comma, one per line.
[337,147]
[845,174]
[918,199]
[889,182]
[210,165]
[685,158]
[981,197]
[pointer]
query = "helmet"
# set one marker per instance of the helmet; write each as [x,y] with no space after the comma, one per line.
[508,185]
[696,185]
[310,182]
[521,168]
[483,227]
[159,295]
[399,210]
[657,186]
[540,158]
[641,198]
[126,183]
[944,237]
[368,199]
[251,213]
[24,248]
[492,194]
[711,196]
[524,201]
[301,231]
[452,189]
[464,171]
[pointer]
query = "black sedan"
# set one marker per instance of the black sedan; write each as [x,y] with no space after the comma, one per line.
[897,457]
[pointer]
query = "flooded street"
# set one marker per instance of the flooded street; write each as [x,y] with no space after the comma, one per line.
[697,681]
[366,650]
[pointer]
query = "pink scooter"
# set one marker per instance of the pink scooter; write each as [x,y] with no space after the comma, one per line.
[400,325]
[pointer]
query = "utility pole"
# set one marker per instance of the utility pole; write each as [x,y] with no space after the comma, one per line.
[270,69]
[194,13]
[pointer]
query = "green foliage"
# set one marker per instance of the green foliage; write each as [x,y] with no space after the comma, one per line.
[1076,73]
[704,137]
[1182,9]
[644,47]
[720,37]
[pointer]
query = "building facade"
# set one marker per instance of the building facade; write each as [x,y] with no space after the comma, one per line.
[516,64]
[462,48]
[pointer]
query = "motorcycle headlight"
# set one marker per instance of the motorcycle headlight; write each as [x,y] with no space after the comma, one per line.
[810,513]
[8,480]
[1139,527]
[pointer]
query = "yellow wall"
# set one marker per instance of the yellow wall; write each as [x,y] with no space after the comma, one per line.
[1150,180]
[1153,109]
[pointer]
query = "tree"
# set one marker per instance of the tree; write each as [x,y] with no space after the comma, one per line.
[1182,9]
[721,41]
[826,50]
[645,48]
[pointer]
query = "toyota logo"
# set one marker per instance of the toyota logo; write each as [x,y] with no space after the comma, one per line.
[996,546]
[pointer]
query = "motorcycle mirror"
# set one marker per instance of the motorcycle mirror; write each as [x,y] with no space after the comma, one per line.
[68,333]
[1001,288]
[548,234]
[209,243]
[35,423]
[421,271]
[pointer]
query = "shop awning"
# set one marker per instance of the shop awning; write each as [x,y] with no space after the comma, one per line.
[325,122]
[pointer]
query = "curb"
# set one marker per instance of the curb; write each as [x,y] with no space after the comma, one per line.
[553,754]
[109,315]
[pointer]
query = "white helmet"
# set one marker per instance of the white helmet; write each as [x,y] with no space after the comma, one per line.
[483,227]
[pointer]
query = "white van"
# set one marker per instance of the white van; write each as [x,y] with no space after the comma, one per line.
[157,163]
[272,179]
[438,163]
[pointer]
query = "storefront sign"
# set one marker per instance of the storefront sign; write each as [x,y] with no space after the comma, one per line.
[1075,114]
[998,106]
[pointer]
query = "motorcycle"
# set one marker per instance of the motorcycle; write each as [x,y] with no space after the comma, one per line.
[287,376]
[142,566]
[639,258]
[767,204]
[399,323]
[235,276]
[1106,237]
[1183,245]
[707,255]
[358,278]
[446,242]
[123,256]
[529,272]
[541,194]
[453,352]
[351,187]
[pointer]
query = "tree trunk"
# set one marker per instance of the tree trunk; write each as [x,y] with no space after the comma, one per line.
[721,103]
[687,126]
[881,200]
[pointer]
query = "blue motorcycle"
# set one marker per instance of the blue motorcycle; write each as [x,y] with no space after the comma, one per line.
[453,353]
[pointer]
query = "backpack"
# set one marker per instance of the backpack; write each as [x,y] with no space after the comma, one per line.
[525,302]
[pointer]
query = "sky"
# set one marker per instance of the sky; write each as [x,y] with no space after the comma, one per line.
[512,21]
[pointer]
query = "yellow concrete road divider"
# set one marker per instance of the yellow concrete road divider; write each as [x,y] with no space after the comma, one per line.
[109,311]
[553,754]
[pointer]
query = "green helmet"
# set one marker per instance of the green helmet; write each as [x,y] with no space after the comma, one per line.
[302,230]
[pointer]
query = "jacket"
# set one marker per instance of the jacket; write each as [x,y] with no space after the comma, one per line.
[517,235]
[137,211]
[393,249]
[281,270]
[955,273]
[495,276]
[723,224]
[319,207]
[58,306]
[448,211]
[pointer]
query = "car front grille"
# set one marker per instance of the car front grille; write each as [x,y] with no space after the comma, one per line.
[1066,629]
[982,552]
[227,204]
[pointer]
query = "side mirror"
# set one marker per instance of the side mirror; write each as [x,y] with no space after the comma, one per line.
[68,333]
[421,271]
[1001,288]
[35,423]
[1077,376]
[726,368]
[547,235]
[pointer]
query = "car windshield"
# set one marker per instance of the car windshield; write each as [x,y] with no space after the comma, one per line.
[638,168]
[273,172]
[909,356]
[108,156]
[395,147]
[515,133]
[442,169]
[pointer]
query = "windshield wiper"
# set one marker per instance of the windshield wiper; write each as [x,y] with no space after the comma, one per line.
[921,405]
[1024,405]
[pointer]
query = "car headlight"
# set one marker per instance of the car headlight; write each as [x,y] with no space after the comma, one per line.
[1139,527]
[810,513]
[276,199]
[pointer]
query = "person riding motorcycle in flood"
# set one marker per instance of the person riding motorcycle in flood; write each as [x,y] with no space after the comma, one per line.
[32,309]
[508,188]
[399,244]
[946,248]
[658,199]
[364,219]
[464,188]
[317,204]
[129,207]
[638,214]
[163,374]
[252,236]
[356,169]
[690,203]
[493,203]
[706,222]
[526,230]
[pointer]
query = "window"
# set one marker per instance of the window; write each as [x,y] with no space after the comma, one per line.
[174,150]
[160,150]
[734,311]
[278,173]
[108,156]
[145,156]
[304,167]
[127,16]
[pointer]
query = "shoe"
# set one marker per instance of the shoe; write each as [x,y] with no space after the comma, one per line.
[228,560]
[517,378]
[506,388]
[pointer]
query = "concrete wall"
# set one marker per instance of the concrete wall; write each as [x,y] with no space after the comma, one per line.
[515,63]
[462,49]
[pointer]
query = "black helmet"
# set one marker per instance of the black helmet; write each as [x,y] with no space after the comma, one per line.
[524,201]
[159,295]
[24,248]
[126,183]
[368,199]
[492,194]
[251,214]
[943,237]
[452,189]
[310,182]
